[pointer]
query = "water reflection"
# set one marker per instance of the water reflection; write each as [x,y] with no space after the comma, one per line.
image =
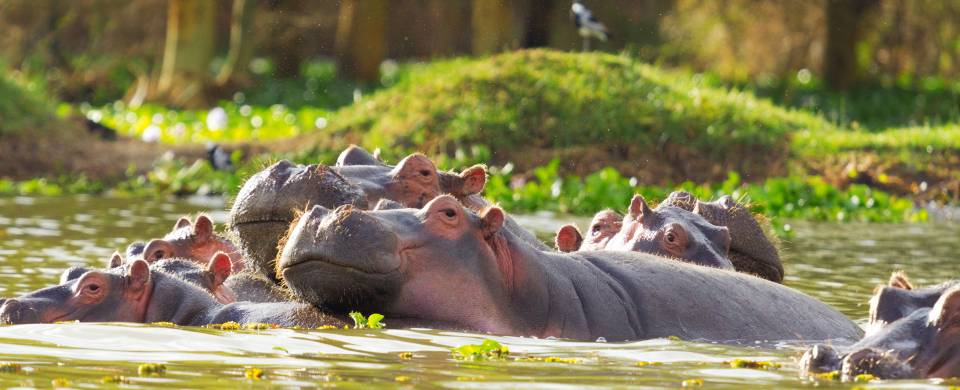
[39,237]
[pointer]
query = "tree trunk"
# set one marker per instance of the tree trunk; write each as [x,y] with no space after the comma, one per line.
[238,55]
[538,23]
[188,50]
[844,19]
[361,38]
[492,26]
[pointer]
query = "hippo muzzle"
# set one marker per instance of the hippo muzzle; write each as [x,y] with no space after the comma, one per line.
[28,311]
[345,259]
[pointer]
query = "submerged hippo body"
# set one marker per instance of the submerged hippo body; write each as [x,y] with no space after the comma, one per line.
[145,295]
[447,265]
[922,344]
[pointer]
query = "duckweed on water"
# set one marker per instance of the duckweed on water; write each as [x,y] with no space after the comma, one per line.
[60,382]
[646,363]
[405,355]
[864,378]
[362,322]
[692,383]
[10,368]
[149,369]
[831,375]
[231,325]
[488,350]
[254,374]
[114,379]
[745,363]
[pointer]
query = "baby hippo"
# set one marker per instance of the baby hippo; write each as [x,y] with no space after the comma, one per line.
[138,293]
[899,299]
[667,231]
[922,344]
[195,241]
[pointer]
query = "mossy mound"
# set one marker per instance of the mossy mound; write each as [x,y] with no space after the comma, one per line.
[530,106]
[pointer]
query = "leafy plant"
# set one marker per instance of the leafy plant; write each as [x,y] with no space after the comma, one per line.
[374,321]
[487,350]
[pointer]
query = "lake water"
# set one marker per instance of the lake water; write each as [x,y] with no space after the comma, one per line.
[39,237]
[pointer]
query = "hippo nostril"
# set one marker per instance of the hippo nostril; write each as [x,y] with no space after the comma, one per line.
[10,305]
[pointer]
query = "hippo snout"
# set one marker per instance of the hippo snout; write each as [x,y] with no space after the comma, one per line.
[13,312]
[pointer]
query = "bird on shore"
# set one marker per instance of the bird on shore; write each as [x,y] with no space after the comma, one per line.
[587,26]
[218,157]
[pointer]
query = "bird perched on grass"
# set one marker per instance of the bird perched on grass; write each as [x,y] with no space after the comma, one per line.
[588,26]
[218,157]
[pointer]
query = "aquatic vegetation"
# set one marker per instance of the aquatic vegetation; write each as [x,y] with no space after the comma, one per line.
[692,383]
[864,378]
[60,382]
[487,350]
[163,324]
[745,363]
[371,322]
[402,378]
[643,363]
[259,326]
[831,375]
[405,355]
[148,369]
[548,359]
[254,374]
[231,325]
[10,368]
[114,380]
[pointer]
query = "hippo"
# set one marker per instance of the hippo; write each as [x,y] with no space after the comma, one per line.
[605,224]
[672,232]
[922,344]
[899,299]
[223,284]
[139,293]
[196,241]
[752,249]
[272,198]
[450,267]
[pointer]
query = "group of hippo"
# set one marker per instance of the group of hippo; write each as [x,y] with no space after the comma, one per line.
[307,244]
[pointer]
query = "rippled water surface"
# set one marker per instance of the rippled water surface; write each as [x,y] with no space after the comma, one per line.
[39,237]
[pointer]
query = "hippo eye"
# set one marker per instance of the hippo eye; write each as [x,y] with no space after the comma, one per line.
[158,255]
[449,213]
[424,172]
[671,238]
[596,230]
[93,288]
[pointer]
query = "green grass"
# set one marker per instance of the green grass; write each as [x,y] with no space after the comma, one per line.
[920,139]
[544,98]
[24,106]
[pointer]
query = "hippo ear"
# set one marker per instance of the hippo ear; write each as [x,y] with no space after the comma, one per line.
[138,276]
[416,166]
[721,237]
[355,155]
[219,268]
[203,227]
[946,312]
[639,208]
[474,179]
[899,279]
[568,239]
[115,261]
[182,222]
[378,155]
[491,221]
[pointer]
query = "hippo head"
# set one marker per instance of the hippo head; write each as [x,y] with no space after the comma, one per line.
[404,263]
[605,224]
[271,199]
[672,232]
[210,277]
[899,299]
[924,343]
[195,241]
[412,182]
[95,296]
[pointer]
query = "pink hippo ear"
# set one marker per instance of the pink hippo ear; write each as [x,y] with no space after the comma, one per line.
[946,312]
[355,155]
[138,276]
[415,166]
[203,227]
[474,180]
[182,222]
[899,279]
[491,221]
[722,238]
[639,208]
[116,260]
[568,239]
[219,268]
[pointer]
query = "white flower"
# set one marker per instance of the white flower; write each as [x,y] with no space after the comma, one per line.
[151,134]
[217,119]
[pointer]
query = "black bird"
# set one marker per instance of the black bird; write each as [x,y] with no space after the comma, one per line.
[103,132]
[588,26]
[218,157]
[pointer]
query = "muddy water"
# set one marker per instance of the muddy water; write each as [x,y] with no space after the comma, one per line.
[39,237]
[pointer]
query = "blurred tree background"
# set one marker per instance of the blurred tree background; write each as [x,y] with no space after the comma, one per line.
[191,53]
